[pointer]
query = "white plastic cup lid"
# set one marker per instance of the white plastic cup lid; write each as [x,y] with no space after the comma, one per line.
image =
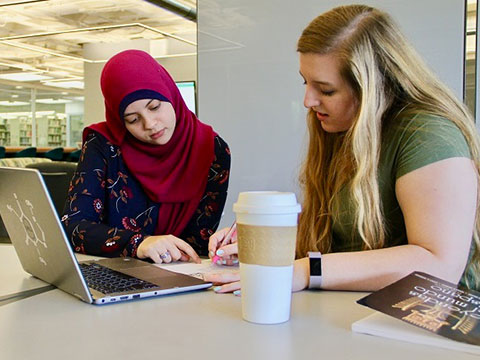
[266,202]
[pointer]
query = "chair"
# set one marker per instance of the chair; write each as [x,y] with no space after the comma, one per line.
[74,155]
[27,152]
[55,154]
[2,152]
[21,161]
[57,176]
[4,238]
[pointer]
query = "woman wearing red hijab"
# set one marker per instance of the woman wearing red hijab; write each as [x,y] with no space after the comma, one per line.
[152,179]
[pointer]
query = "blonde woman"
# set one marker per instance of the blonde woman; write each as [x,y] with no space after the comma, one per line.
[391,175]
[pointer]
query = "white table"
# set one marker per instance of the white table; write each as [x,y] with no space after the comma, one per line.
[15,283]
[200,325]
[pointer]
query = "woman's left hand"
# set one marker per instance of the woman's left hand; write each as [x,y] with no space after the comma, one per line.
[165,249]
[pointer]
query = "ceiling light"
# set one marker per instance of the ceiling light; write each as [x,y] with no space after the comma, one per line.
[13,103]
[53,101]
[65,84]
[15,96]
[24,76]
[17,65]
[4,40]
[21,2]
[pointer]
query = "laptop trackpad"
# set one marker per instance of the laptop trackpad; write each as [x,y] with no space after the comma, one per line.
[149,272]
[146,271]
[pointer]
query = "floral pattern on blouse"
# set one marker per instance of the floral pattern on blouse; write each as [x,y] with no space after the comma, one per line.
[107,212]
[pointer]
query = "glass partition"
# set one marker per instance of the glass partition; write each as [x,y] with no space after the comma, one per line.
[56,118]
[470,61]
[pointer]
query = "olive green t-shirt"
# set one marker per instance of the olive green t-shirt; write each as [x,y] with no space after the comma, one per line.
[408,143]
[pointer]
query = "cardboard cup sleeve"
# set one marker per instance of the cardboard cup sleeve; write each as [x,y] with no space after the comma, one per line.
[266,245]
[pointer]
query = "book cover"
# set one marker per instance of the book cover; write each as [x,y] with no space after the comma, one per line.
[431,303]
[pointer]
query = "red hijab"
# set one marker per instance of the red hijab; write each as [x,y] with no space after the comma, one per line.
[174,174]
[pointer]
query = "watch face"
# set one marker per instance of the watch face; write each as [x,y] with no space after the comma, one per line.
[315,266]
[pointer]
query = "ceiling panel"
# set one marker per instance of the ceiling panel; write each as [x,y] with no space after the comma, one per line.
[47,37]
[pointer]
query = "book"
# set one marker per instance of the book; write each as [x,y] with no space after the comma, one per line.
[422,300]
[379,324]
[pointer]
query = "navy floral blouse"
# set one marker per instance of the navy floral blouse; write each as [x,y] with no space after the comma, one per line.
[107,212]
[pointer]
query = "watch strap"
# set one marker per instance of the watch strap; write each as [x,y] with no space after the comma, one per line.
[315,259]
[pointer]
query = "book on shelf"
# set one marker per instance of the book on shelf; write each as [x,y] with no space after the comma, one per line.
[421,300]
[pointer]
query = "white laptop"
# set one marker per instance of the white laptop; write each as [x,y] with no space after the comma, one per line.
[45,252]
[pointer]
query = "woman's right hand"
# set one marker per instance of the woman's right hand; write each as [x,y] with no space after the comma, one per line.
[227,254]
[165,249]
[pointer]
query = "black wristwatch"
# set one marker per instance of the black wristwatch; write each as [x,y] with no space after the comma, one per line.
[315,270]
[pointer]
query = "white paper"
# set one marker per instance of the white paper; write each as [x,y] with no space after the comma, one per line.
[386,326]
[198,270]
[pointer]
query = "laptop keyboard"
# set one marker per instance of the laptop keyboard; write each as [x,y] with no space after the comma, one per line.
[109,281]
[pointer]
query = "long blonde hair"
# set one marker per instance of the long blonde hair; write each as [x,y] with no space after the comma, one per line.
[387,77]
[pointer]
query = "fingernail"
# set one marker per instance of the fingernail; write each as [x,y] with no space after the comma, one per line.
[235,261]
[217,288]
[220,252]
[211,254]
[223,262]
[237,292]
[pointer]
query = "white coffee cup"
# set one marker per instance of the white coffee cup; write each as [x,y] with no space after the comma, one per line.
[266,230]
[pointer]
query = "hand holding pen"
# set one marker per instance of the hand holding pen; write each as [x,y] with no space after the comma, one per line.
[222,246]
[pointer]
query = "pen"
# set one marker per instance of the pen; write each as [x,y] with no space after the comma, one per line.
[226,239]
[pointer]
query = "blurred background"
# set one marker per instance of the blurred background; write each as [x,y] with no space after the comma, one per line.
[52,51]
